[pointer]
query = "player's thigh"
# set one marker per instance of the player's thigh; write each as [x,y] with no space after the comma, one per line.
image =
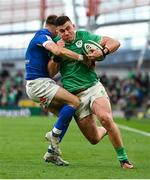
[42,90]
[63,96]
[101,107]
[88,126]
[55,107]
[100,103]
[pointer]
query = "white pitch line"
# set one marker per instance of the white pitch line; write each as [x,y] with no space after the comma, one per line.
[134,130]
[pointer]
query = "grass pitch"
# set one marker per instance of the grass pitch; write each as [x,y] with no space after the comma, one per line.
[22,146]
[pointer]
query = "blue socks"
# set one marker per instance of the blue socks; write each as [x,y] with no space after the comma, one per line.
[65,127]
[62,123]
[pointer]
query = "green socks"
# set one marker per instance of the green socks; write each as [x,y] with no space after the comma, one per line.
[121,154]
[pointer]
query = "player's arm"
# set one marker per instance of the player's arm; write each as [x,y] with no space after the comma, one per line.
[53,67]
[62,52]
[47,42]
[109,45]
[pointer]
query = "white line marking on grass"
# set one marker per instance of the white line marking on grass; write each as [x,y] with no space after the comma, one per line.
[134,130]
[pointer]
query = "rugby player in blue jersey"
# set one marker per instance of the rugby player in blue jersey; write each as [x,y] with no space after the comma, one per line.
[44,90]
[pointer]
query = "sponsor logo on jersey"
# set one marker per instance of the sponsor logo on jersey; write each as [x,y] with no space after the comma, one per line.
[79,43]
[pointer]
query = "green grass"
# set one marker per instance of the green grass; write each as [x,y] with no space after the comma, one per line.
[22,146]
[140,124]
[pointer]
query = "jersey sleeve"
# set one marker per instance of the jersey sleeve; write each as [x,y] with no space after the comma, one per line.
[91,36]
[42,40]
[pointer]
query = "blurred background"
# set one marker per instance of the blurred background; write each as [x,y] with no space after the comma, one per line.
[125,74]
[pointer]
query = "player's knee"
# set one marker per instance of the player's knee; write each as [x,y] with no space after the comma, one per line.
[76,103]
[106,120]
[94,140]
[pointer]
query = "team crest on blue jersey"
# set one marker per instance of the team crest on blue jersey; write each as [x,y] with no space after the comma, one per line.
[79,43]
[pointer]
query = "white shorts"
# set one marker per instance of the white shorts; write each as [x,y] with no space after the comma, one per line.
[42,90]
[87,98]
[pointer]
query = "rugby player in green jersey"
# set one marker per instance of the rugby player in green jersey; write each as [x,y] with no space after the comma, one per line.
[83,81]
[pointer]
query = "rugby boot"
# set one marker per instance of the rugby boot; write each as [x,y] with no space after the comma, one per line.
[54,141]
[55,159]
[126,164]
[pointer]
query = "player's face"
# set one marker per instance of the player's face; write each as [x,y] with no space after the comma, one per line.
[67,31]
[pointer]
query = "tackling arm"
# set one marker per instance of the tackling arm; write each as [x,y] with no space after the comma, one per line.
[60,51]
[53,68]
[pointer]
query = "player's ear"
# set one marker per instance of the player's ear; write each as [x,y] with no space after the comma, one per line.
[56,29]
[74,26]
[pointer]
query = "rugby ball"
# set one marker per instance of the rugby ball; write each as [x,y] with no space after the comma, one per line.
[89,45]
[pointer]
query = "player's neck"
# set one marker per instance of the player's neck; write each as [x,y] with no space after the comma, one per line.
[51,30]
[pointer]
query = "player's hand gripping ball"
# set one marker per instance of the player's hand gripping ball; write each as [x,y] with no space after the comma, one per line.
[92,45]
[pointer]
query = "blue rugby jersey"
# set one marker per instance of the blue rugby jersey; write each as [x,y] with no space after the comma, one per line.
[37,57]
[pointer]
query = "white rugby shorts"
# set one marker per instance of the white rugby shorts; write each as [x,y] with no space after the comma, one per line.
[87,98]
[41,90]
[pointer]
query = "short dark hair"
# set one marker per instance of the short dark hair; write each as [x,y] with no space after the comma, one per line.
[50,20]
[61,20]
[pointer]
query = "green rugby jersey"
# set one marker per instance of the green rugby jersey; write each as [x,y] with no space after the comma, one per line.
[75,74]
